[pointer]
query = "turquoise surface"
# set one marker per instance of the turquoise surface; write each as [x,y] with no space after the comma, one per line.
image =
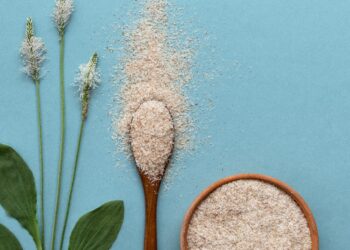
[281,106]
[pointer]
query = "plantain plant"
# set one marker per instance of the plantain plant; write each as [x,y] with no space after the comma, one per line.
[86,80]
[61,16]
[33,55]
[97,229]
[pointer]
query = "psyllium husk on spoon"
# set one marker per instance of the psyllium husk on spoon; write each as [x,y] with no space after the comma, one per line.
[152,138]
[153,68]
[247,215]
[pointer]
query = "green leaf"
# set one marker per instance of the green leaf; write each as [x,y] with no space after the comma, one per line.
[7,240]
[17,191]
[99,228]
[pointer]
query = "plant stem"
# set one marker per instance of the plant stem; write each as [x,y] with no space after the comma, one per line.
[42,177]
[36,237]
[82,125]
[63,132]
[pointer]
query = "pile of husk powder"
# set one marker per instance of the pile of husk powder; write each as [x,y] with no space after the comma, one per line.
[153,68]
[247,215]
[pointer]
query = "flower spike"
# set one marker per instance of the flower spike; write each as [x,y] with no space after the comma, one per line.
[87,79]
[32,52]
[62,13]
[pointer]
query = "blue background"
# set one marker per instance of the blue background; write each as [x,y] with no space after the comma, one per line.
[281,95]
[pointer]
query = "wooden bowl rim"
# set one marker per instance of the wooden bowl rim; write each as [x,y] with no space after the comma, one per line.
[268,179]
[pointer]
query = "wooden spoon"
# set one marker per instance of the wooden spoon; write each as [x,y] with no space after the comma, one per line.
[152,137]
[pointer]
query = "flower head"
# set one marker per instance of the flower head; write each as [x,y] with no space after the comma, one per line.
[62,13]
[87,79]
[32,52]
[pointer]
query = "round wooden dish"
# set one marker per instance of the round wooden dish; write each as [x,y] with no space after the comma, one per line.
[284,187]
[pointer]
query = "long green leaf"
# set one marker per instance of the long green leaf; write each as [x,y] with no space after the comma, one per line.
[99,228]
[7,240]
[17,191]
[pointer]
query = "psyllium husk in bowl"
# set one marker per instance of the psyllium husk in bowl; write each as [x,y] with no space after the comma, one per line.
[249,212]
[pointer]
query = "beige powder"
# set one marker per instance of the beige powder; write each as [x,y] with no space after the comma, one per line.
[249,215]
[152,138]
[153,68]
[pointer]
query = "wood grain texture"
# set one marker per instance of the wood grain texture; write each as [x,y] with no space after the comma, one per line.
[279,184]
[151,191]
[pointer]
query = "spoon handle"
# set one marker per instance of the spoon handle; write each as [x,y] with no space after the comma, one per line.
[151,198]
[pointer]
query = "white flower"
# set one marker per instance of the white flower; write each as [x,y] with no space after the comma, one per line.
[32,52]
[88,76]
[62,13]
[87,79]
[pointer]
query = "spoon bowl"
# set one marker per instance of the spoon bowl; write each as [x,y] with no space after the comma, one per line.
[152,137]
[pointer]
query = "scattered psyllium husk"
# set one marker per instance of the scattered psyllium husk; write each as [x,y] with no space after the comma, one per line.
[32,52]
[62,13]
[249,214]
[86,80]
[154,67]
[152,138]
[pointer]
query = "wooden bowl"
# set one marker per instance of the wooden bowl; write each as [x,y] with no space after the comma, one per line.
[279,184]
